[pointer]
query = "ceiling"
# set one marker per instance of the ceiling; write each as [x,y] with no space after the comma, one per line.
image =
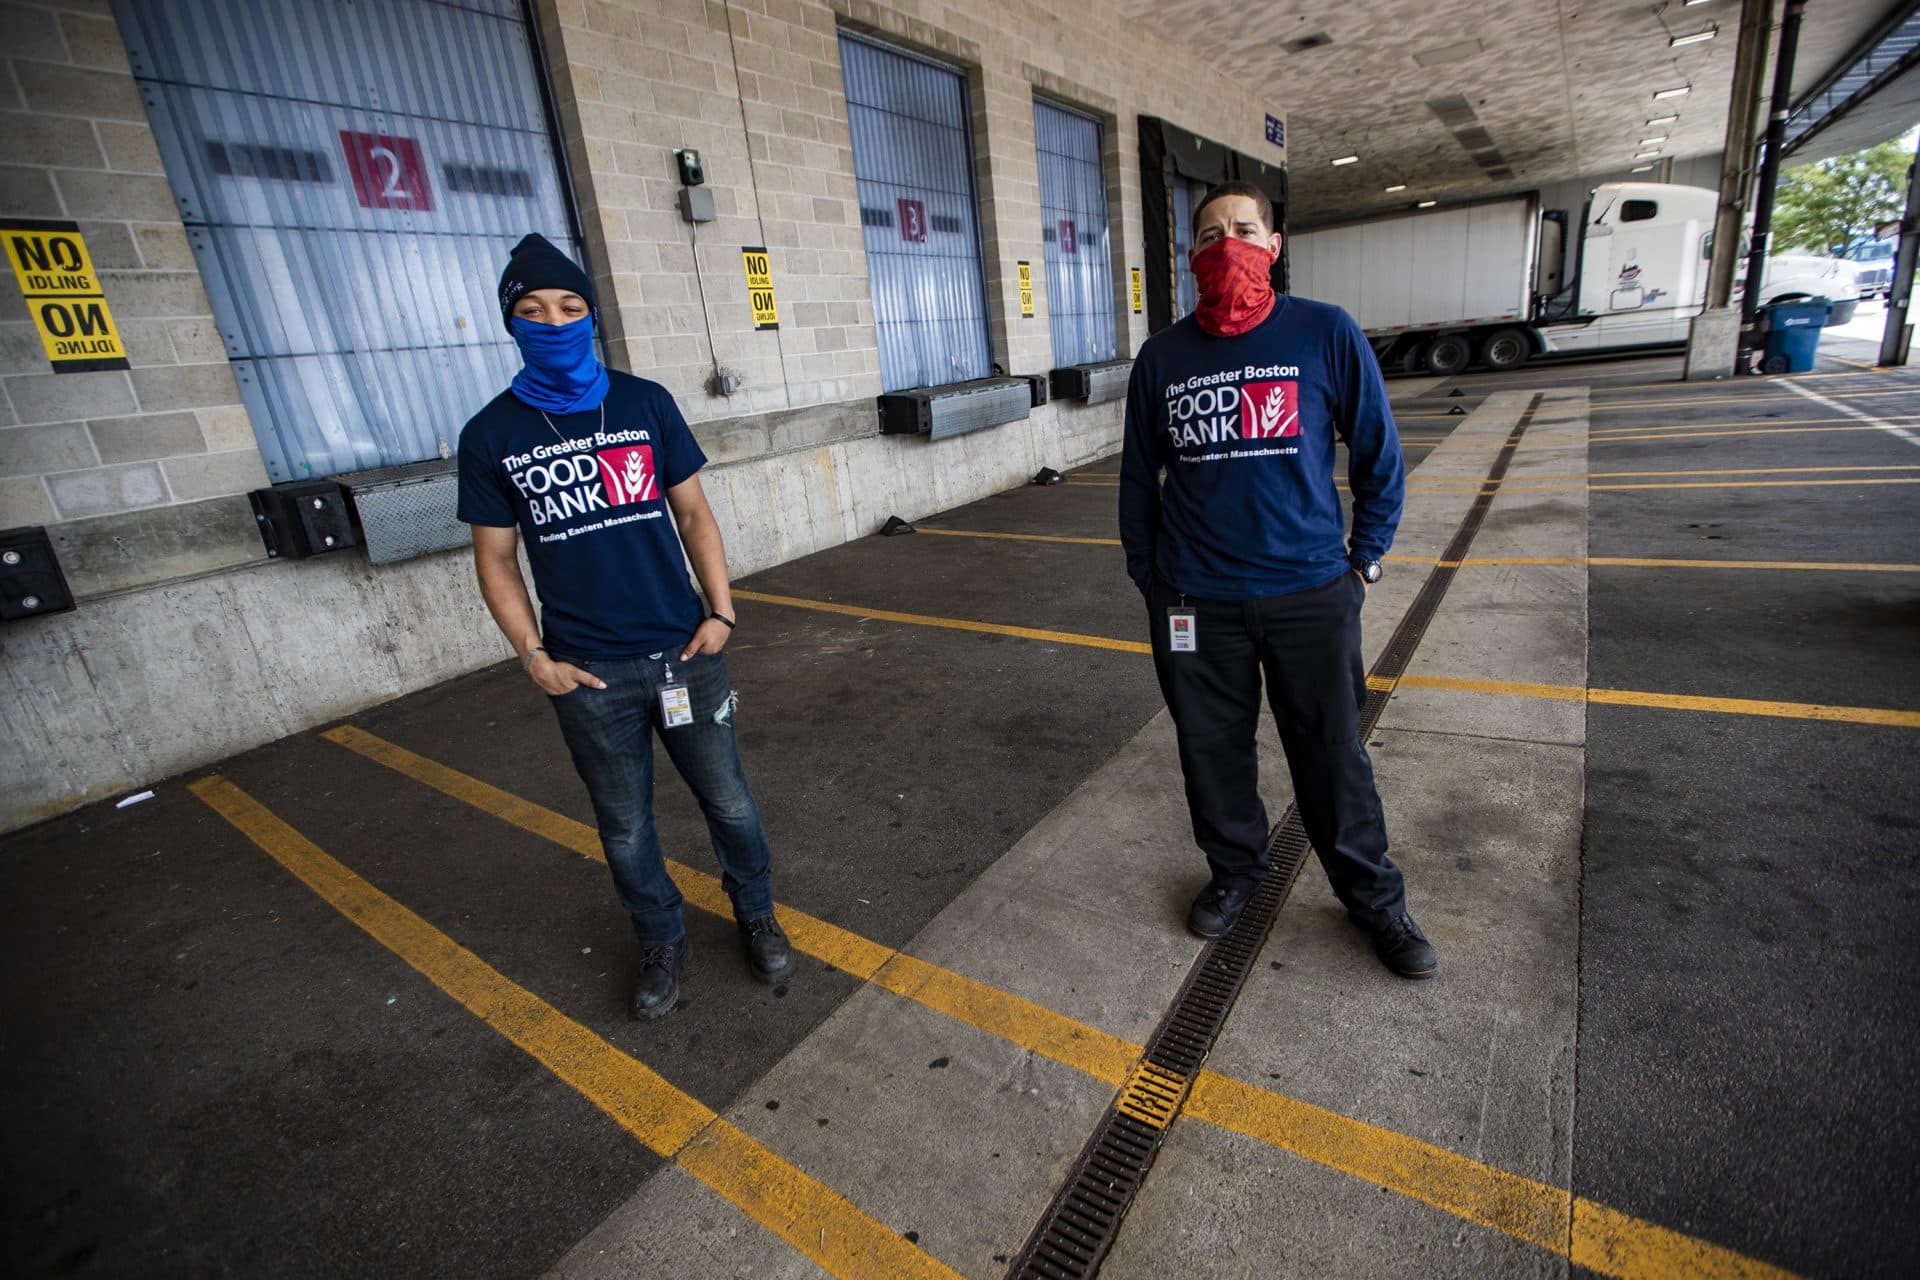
[1561,90]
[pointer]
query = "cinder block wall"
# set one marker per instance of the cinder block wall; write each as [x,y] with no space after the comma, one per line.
[135,473]
[189,645]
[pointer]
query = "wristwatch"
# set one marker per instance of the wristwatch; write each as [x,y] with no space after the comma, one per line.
[1369,570]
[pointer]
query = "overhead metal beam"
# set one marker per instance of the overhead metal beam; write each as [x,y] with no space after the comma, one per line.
[1888,52]
[1770,165]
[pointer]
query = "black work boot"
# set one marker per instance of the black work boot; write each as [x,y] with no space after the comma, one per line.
[658,987]
[769,955]
[1401,946]
[1216,909]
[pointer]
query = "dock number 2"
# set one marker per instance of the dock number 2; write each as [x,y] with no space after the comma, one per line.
[388,171]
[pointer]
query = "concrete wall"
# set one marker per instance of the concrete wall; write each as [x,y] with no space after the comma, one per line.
[189,645]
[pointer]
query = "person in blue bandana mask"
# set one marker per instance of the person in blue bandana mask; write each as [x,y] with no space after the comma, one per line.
[597,470]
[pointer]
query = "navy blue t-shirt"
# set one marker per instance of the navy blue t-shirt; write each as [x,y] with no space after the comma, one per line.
[1245,428]
[590,501]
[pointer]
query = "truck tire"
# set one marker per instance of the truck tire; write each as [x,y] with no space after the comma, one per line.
[1505,349]
[1448,354]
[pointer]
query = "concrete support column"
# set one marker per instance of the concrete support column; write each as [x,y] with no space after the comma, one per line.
[1898,334]
[1714,341]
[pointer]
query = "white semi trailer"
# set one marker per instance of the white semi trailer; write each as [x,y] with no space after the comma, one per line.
[1482,283]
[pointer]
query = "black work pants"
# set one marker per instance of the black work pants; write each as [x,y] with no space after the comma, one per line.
[1307,645]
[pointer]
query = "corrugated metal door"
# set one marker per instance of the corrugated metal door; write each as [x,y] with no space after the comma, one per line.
[351,175]
[1073,234]
[1186,291]
[913,164]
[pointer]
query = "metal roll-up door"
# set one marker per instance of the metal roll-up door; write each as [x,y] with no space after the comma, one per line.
[1073,233]
[351,176]
[913,164]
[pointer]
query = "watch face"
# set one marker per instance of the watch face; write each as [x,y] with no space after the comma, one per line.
[1371,571]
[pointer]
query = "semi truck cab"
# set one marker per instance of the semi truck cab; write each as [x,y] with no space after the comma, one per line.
[1641,276]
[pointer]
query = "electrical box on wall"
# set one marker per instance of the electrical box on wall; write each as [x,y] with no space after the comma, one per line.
[696,204]
[30,579]
[304,518]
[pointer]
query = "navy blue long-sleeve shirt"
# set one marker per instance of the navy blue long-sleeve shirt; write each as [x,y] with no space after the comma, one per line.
[1244,428]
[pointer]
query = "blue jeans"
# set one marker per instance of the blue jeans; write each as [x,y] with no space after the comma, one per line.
[610,734]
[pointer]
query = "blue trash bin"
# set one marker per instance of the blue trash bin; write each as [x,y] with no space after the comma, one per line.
[1792,334]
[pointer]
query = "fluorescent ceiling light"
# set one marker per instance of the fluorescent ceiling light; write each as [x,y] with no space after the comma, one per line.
[1660,120]
[1346,160]
[1426,204]
[1694,37]
[1688,4]
[1448,53]
[1398,186]
[1644,168]
[1672,93]
[1653,142]
[1647,155]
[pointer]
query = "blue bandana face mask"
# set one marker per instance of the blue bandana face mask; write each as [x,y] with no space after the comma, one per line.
[561,375]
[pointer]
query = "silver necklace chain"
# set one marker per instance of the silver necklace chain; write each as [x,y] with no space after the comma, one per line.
[556,431]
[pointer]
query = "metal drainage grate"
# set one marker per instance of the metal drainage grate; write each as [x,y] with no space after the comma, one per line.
[1080,1224]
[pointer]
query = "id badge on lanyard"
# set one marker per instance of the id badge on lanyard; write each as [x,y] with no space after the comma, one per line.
[1183,631]
[676,704]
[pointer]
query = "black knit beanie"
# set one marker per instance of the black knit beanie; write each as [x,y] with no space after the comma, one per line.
[536,264]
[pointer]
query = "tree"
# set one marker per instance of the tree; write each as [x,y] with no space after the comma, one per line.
[1827,205]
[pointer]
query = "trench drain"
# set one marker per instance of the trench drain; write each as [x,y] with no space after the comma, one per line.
[1080,1224]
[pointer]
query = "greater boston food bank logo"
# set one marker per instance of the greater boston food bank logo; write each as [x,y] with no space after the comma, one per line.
[563,480]
[628,474]
[1211,409]
[1269,410]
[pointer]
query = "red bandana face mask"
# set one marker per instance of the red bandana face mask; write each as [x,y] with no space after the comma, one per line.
[1236,286]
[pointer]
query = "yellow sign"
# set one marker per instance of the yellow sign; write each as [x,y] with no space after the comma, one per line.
[69,307]
[766,313]
[1026,287]
[1136,290]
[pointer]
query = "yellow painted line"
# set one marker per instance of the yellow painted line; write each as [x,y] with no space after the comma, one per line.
[951,624]
[1590,1234]
[1610,438]
[1828,566]
[1772,380]
[1510,486]
[1652,562]
[1019,537]
[1664,701]
[1691,401]
[1656,428]
[1564,693]
[1530,1211]
[1479,562]
[1746,471]
[996,1012]
[819,1223]
[1525,481]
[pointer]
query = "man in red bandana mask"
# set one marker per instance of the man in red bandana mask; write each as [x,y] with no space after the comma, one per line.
[1234,533]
